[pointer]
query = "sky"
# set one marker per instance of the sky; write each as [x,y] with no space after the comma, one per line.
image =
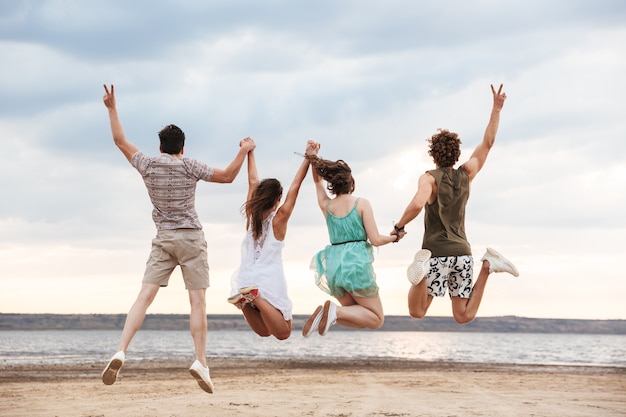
[370,81]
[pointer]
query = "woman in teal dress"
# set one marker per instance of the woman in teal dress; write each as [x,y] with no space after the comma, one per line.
[344,268]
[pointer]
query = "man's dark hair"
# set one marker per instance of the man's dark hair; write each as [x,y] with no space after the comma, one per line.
[172,139]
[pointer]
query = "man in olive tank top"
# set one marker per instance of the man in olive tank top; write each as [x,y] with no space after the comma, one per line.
[445,259]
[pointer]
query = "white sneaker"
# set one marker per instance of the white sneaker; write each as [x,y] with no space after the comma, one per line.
[312,324]
[109,375]
[420,266]
[329,317]
[498,263]
[201,373]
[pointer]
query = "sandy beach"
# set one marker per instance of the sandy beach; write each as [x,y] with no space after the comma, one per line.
[289,387]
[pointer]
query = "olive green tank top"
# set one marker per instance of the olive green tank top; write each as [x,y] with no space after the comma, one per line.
[444,219]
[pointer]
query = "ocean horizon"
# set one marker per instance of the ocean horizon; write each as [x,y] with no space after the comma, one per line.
[16,321]
[19,347]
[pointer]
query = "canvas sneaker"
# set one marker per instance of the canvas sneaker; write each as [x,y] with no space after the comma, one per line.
[312,324]
[498,263]
[237,300]
[201,374]
[329,317]
[249,293]
[245,296]
[109,375]
[420,266]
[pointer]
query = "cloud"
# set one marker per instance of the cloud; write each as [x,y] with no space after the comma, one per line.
[371,82]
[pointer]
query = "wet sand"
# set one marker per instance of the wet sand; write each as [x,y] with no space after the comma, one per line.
[294,387]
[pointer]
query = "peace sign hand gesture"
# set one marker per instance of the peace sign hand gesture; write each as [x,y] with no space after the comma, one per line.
[498,98]
[109,97]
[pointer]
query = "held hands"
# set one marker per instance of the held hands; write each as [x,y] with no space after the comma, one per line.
[498,98]
[247,144]
[398,232]
[109,97]
[312,148]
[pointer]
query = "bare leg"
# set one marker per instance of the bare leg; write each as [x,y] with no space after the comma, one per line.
[464,310]
[137,313]
[266,320]
[255,321]
[198,323]
[419,300]
[360,312]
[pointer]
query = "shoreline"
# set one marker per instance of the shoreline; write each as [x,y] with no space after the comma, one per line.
[313,387]
[224,366]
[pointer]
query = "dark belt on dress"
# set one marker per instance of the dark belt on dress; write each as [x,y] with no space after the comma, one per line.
[347,241]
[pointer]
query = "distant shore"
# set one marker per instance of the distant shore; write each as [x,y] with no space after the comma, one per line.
[507,324]
[307,387]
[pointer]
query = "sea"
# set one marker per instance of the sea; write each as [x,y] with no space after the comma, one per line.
[89,346]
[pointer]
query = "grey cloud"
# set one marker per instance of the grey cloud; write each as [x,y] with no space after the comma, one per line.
[131,30]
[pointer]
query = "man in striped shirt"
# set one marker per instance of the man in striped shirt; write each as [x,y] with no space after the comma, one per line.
[171,182]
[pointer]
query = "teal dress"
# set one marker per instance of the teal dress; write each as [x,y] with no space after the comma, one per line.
[345,266]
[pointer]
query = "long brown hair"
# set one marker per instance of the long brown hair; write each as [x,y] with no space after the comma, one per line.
[263,198]
[337,175]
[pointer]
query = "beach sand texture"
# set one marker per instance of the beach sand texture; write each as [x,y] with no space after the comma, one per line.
[292,387]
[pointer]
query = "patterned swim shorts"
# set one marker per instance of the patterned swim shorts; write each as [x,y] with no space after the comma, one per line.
[451,272]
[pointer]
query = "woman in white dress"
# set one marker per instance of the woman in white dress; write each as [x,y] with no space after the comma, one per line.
[259,287]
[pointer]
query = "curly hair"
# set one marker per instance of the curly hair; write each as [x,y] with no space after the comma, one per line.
[263,198]
[172,139]
[337,175]
[445,148]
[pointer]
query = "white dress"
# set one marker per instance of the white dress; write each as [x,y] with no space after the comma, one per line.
[262,266]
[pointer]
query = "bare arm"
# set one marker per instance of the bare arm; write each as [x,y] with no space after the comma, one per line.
[367,214]
[320,190]
[284,212]
[479,156]
[253,181]
[229,174]
[127,148]
[253,174]
[424,193]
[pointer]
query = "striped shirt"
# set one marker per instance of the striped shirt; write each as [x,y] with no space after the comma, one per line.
[171,184]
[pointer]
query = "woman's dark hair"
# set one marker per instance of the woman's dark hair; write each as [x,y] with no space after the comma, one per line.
[172,139]
[445,148]
[263,198]
[337,175]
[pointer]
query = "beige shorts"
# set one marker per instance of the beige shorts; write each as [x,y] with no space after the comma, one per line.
[184,247]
